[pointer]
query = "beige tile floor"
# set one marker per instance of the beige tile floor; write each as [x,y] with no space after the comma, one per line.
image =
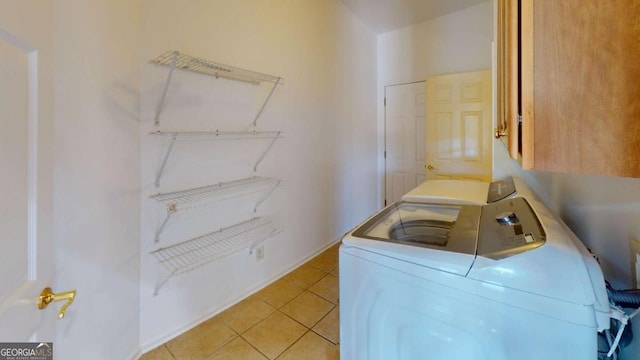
[296,317]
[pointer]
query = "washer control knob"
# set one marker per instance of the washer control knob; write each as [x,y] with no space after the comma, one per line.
[507,218]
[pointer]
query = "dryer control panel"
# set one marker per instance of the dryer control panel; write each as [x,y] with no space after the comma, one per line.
[508,227]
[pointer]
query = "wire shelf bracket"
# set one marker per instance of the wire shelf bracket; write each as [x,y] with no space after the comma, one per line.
[176,60]
[265,196]
[264,104]
[194,253]
[172,66]
[255,167]
[213,136]
[167,153]
[194,198]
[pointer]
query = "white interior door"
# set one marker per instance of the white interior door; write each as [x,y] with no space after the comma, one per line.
[404,139]
[26,256]
[458,129]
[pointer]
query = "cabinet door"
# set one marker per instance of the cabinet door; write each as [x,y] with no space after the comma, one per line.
[580,86]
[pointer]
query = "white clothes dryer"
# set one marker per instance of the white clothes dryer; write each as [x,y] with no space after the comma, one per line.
[468,191]
[501,281]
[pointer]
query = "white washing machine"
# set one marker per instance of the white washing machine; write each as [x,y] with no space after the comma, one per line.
[504,280]
[468,191]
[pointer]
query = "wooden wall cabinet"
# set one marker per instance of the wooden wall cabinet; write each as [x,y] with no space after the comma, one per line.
[569,85]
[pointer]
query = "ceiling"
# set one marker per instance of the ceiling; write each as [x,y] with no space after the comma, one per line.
[386,15]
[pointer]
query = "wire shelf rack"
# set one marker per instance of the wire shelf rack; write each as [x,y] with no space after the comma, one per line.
[176,60]
[202,196]
[179,136]
[207,67]
[194,253]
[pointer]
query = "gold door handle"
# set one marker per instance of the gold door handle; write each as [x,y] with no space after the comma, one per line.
[430,167]
[48,296]
[499,132]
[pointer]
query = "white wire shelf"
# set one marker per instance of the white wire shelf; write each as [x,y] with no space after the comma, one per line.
[221,189]
[207,67]
[216,135]
[176,60]
[202,196]
[179,136]
[194,253]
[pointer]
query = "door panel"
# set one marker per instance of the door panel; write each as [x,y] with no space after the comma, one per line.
[14,146]
[26,100]
[458,126]
[446,145]
[472,134]
[404,142]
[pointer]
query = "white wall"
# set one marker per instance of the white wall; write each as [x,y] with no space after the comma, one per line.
[97,176]
[458,42]
[327,158]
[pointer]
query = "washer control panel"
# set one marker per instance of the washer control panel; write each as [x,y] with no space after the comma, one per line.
[508,227]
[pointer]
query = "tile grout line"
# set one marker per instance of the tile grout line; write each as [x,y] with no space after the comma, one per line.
[305,326]
[324,337]
[170,352]
[252,326]
[314,324]
[261,321]
[293,343]
[313,292]
[335,343]
[224,323]
[226,343]
[287,348]
[255,348]
[310,285]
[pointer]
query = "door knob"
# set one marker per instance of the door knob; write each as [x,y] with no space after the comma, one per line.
[430,167]
[499,132]
[48,296]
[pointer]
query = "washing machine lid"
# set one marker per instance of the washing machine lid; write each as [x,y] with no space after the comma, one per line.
[449,192]
[441,236]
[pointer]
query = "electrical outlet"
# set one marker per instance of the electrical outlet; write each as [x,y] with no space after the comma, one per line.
[634,247]
[260,253]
